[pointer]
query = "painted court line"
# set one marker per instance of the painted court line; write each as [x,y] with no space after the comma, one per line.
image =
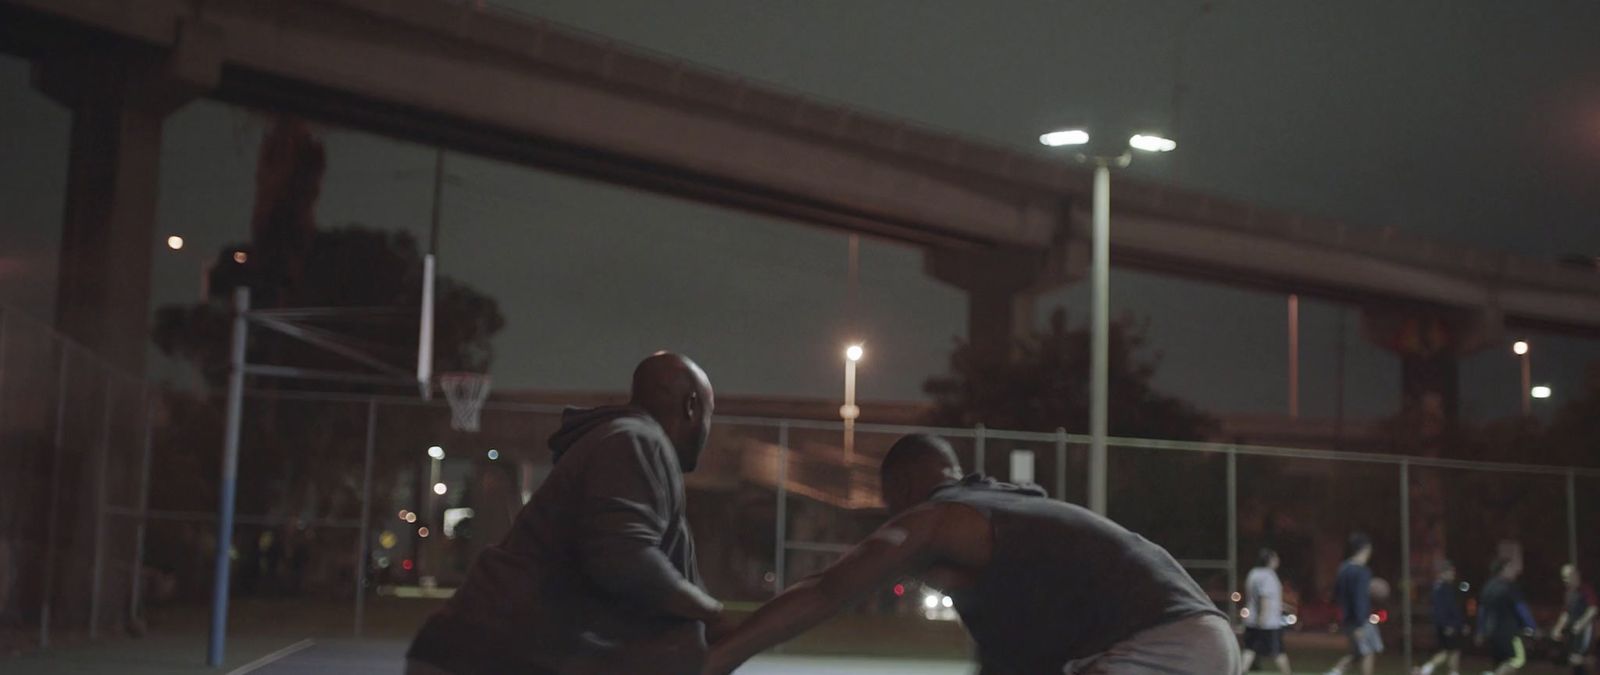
[258,664]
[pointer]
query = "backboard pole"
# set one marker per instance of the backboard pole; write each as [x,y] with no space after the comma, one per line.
[230,477]
[425,335]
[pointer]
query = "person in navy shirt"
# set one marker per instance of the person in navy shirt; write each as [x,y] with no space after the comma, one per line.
[1449,621]
[1352,589]
[1577,621]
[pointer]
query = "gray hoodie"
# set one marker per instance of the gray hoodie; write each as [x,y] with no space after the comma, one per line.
[586,564]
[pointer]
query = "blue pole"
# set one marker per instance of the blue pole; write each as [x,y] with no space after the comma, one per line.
[230,477]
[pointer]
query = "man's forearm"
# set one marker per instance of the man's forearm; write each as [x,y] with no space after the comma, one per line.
[644,576]
[688,601]
[796,610]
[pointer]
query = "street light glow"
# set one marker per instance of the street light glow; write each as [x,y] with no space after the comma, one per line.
[439,488]
[1540,391]
[240,257]
[493,454]
[1519,347]
[1065,137]
[853,353]
[436,452]
[175,242]
[1152,143]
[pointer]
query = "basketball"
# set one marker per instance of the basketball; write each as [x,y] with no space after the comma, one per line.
[1379,589]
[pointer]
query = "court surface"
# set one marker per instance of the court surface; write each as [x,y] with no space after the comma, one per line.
[373,658]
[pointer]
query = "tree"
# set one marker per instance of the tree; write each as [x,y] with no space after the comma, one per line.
[302,460]
[1046,385]
[1173,498]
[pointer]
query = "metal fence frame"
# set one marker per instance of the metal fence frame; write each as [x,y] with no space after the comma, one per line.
[141,515]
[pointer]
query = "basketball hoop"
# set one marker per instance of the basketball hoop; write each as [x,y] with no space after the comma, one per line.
[466,393]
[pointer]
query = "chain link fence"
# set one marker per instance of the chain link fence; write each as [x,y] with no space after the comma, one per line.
[108,505]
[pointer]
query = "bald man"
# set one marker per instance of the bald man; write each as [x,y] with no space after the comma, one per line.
[1042,586]
[598,572]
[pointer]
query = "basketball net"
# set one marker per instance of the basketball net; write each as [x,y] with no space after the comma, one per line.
[466,393]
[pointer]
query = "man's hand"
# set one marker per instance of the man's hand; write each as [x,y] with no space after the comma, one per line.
[719,627]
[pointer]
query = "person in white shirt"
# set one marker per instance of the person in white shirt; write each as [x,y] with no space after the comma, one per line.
[1263,615]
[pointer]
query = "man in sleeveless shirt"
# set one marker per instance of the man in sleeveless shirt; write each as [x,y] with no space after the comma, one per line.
[1042,586]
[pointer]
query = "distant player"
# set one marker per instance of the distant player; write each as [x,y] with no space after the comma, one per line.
[1503,617]
[1042,586]
[1449,621]
[1353,591]
[1577,618]
[1263,625]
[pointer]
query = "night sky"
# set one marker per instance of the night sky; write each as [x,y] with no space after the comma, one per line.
[1473,122]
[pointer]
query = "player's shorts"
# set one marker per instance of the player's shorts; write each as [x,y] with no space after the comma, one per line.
[1198,644]
[1508,651]
[1265,642]
[1581,642]
[1447,641]
[1364,640]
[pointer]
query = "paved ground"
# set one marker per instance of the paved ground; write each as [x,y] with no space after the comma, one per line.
[374,658]
[301,638]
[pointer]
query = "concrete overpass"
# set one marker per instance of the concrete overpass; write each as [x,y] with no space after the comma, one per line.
[1000,223]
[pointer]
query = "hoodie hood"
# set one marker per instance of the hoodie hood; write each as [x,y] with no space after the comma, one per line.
[578,422]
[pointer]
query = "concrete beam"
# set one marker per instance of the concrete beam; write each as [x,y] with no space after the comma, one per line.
[521,89]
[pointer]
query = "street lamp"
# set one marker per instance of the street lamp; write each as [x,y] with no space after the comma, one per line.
[1541,391]
[1520,348]
[1103,158]
[849,412]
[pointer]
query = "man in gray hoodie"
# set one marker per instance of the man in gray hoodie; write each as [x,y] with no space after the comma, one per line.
[598,572]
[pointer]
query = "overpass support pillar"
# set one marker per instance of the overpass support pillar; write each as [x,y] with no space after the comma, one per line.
[119,99]
[1430,344]
[1001,285]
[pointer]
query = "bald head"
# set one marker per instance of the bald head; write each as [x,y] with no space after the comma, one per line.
[677,393]
[914,466]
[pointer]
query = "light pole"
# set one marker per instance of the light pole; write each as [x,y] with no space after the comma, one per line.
[1294,357]
[1103,158]
[1520,348]
[849,412]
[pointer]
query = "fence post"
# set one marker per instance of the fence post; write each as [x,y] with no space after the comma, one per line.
[978,450]
[1405,557]
[1233,534]
[1572,516]
[781,524]
[98,557]
[136,583]
[366,518]
[230,478]
[1061,464]
[57,447]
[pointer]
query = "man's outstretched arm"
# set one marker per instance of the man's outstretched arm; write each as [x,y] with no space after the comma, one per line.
[904,546]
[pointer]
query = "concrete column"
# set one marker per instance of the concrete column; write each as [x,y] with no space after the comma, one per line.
[1001,286]
[1430,344]
[119,97]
